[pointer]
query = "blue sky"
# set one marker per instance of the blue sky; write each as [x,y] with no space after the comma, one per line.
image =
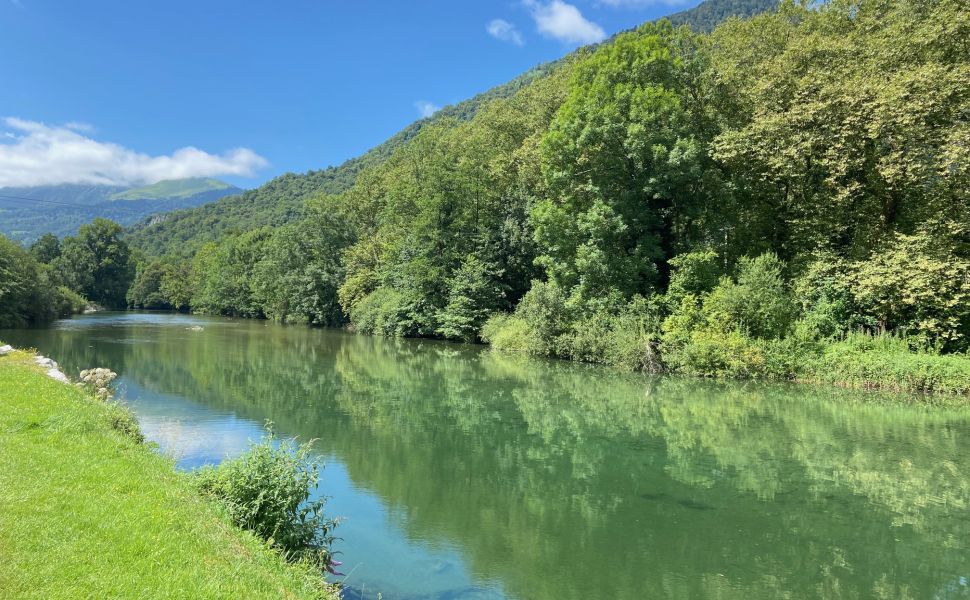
[117,88]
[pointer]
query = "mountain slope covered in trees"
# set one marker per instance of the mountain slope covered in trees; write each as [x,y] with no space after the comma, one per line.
[26,213]
[282,200]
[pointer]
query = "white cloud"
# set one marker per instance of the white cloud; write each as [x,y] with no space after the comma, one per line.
[42,154]
[564,22]
[501,29]
[426,108]
[80,126]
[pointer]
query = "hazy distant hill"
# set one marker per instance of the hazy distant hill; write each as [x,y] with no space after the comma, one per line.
[281,199]
[26,213]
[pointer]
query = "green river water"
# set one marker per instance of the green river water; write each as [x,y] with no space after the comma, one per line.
[463,473]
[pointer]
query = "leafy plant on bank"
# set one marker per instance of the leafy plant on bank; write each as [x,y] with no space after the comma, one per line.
[267,491]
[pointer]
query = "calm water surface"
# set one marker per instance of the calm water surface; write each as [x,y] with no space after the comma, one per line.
[462,473]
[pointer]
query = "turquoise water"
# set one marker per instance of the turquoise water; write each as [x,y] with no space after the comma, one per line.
[462,473]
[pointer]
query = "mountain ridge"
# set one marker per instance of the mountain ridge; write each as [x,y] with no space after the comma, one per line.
[26,213]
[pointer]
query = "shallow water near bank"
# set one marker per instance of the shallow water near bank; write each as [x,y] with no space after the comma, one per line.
[463,473]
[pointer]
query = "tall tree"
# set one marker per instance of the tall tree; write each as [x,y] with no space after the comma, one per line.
[97,263]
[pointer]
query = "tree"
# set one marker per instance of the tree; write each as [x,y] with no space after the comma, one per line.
[146,290]
[473,295]
[297,278]
[176,285]
[97,263]
[18,277]
[918,285]
[624,164]
[46,248]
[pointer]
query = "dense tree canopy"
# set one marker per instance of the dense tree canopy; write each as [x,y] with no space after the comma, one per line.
[97,263]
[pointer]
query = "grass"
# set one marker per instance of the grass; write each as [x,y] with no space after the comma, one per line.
[88,512]
[884,362]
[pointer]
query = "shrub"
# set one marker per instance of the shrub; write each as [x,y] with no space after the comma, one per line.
[708,353]
[692,273]
[67,302]
[122,419]
[267,490]
[544,310]
[509,333]
[758,303]
[625,337]
[886,361]
[823,297]
[919,285]
[385,311]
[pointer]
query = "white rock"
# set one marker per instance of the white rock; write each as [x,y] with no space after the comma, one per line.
[57,375]
[4,350]
[45,362]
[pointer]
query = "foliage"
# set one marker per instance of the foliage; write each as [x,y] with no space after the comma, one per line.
[758,303]
[267,490]
[224,275]
[917,284]
[888,362]
[176,284]
[65,302]
[471,299]
[624,163]
[297,277]
[692,273]
[46,248]
[28,295]
[146,289]
[97,263]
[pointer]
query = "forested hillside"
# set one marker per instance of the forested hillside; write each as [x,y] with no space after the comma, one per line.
[707,15]
[282,199]
[786,196]
[26,213]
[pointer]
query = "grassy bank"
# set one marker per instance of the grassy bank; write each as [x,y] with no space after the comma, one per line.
[88,512]
[886,363]
[632,343]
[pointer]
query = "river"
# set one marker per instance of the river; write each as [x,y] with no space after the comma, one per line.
[464,473]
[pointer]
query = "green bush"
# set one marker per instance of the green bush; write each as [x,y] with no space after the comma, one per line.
[625,336]
[267,490]
[823,296]
[692,273]
[67,302]
[509,333]
[545,311]
[887,362]
[708,353]
[757,303]
[122,419]
[385,311]
[919,285]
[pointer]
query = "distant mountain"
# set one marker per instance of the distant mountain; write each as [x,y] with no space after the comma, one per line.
[26,213]
[178,188]
[281,199]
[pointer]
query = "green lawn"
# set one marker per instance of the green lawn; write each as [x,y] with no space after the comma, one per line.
[86,512]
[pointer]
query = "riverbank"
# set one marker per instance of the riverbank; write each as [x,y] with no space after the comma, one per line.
[87,511]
